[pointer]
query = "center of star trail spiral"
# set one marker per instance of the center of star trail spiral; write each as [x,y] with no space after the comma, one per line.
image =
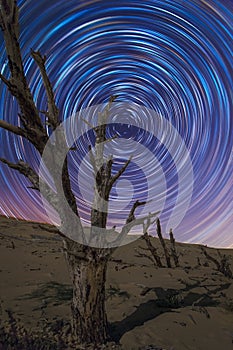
[174,57]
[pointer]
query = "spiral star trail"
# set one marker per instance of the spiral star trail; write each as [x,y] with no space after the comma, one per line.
[172,57]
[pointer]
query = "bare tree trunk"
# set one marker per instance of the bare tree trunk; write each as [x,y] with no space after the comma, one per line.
[173,249]
[153,250]
[88,276]
[87,266]
[163,244]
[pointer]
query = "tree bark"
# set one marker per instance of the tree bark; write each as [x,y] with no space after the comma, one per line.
[173,249]
[88,276]
[87,266]
[163,244]
[152,249]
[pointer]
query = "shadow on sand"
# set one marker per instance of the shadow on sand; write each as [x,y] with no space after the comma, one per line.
[167,300]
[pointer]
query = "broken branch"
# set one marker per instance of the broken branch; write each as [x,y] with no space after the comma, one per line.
[163,244]
[5,81]
[52,107]
[131,215]
[120,172]
[25,170]
[128,226]
[87,122]
[92,159]
[173,249]
[15,129]
[17,84]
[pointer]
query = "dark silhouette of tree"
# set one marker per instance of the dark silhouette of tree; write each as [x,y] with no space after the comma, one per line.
[87,262]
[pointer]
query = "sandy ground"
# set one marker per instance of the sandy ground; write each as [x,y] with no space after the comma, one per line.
[190,307]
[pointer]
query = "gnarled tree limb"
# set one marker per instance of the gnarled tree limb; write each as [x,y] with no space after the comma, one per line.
[33,131]
[5,81]
[12,128]
[52,107]
[153,250]
[17,84]
[131,215]
[173,249]
[128,226]
[163,244]
[120,172]
[24,169]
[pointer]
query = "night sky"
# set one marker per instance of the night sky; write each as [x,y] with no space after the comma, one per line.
[172,57]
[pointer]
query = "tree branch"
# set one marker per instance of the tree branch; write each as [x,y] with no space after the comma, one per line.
[100,129]
[131,215]
[92,159]
[128,226]
[140,221]
[87,122]
[52,107]
[4,80]
[109,164]
[111,139]
[163,244]
[53,230]
[49,229]
[120,172]
[144,255]
[30,117]
[102,120]
[12,128]
[147,224]
[17,84]
[25,170]
[9,12]
[223,265]
[173,249]
[152,250]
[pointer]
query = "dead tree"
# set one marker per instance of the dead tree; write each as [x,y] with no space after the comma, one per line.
[222,266]
[152,250]
[87,264]
[131,217]
[155,257]
[174,254]
[163,244]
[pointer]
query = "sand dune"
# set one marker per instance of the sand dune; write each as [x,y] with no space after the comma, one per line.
[190,307]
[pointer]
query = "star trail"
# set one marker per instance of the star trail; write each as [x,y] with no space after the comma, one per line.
[171,57]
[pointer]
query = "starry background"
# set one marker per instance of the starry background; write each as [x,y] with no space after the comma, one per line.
[172,56]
